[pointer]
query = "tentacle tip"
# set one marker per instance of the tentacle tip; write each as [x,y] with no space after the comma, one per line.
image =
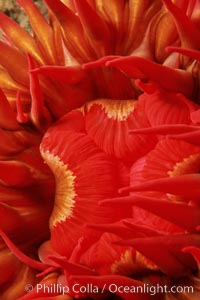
[168,49]
[35,71]
[187,249]
[147,87]
[110,63]
[23,119]
[85,66]
[104,202]
[120,191]
[172,49]
[123,190]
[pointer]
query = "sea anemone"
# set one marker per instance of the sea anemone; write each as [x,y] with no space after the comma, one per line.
[100,151]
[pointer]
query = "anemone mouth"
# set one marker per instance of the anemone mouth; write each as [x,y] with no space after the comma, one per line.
[114,109]
[65,192]
[190,164]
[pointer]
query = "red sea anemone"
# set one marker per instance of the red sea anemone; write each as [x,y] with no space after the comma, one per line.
[100,151]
